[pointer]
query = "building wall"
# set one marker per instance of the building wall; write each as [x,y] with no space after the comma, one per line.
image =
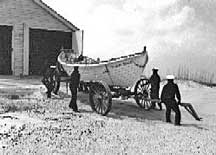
[21,14]
[26,11]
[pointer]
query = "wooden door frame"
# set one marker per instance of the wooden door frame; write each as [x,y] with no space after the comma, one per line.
[30,29]
[26,50]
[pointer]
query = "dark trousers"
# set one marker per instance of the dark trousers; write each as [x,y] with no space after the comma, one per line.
[154,104]
[73,102]
[172,105]
[48,82]
[155,95]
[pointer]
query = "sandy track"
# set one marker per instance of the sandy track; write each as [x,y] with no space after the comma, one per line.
[36,125]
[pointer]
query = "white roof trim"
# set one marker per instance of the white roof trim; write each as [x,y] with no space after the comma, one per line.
[56,15]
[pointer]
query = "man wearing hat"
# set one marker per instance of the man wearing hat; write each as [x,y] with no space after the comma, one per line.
[155,86]
[47,76]
[168,96]
[74,84]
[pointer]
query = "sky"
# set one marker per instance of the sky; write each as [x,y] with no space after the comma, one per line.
[177,33]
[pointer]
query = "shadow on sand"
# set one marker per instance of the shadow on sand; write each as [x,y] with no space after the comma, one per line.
[123,109]
[195,126]
[128,109]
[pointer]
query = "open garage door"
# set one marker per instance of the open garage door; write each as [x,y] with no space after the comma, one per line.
[5,49]
[44,45]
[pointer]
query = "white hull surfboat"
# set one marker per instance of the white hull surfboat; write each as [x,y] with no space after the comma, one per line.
[122,71]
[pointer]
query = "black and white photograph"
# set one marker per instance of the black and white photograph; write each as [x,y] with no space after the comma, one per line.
[107,77]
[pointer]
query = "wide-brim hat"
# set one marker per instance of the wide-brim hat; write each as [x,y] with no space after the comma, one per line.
[170,77]
[155,68]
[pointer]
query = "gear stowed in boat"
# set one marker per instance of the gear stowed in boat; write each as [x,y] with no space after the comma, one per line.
[122,71]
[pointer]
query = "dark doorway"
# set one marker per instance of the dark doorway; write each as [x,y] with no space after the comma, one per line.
[5,49]
[46,45]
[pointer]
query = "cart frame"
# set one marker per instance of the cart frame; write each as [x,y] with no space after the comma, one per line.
[101,94]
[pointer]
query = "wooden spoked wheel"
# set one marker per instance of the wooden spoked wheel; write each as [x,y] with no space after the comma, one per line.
[142,94]
[100,97]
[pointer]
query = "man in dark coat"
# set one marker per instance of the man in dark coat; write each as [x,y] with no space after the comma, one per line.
[74,84]
[47,77]
[168,96]
[155,86]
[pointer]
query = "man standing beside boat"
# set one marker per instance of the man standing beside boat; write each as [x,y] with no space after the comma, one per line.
[74,84]
[168,96]
[155,86]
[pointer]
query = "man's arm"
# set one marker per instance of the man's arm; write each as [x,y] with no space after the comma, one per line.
[150,79]
[159,80]
[178,95]
[162,95]
[79,78]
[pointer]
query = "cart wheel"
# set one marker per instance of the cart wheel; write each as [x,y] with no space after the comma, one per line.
[100,97]
[56,82]
[142,94]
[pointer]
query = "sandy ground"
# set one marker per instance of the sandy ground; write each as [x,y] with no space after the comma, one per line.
[32,124]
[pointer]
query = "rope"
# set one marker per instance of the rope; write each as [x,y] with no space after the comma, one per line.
[141,66]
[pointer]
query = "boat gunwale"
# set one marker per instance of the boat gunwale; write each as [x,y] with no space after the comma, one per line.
[102,63]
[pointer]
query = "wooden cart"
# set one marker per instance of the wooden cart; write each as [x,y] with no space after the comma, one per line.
[104,80]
